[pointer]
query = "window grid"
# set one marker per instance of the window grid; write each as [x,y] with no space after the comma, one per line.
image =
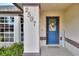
[5,30]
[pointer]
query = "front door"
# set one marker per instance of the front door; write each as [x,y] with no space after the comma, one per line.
[52,30]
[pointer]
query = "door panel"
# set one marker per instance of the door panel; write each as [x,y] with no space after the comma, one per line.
[53,30]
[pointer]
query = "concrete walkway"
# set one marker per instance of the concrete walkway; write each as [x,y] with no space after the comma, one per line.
[55,51]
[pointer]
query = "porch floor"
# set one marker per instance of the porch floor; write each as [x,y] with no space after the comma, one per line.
[55,51]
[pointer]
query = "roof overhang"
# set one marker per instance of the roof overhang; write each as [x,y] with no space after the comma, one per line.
[18,6]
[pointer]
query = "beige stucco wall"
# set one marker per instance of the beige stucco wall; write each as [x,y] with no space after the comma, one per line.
[71,27]
[71,23]
[43,21]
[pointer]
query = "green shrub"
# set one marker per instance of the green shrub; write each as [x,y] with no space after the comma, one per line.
[15,50]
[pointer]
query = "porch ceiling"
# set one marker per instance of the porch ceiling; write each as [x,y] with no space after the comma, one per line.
[49,6]
[54,6]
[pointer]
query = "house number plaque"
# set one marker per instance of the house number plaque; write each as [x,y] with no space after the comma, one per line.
[30,16]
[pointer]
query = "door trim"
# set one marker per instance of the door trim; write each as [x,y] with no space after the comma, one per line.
[47,27]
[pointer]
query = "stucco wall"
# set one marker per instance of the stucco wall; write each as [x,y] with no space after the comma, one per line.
[43,21]
[71,27]
[71,23]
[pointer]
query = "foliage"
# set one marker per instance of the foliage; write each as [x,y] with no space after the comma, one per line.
[15,50]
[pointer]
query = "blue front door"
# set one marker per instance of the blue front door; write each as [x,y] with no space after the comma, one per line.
[53,30]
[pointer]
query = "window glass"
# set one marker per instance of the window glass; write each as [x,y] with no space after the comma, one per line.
[6,39]
[11,39]
[6,35]
[1,35]
[1,19]
[11,35]
[22,34]
[11,19]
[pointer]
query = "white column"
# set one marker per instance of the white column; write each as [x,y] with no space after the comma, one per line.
[17,29]
[31,30]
